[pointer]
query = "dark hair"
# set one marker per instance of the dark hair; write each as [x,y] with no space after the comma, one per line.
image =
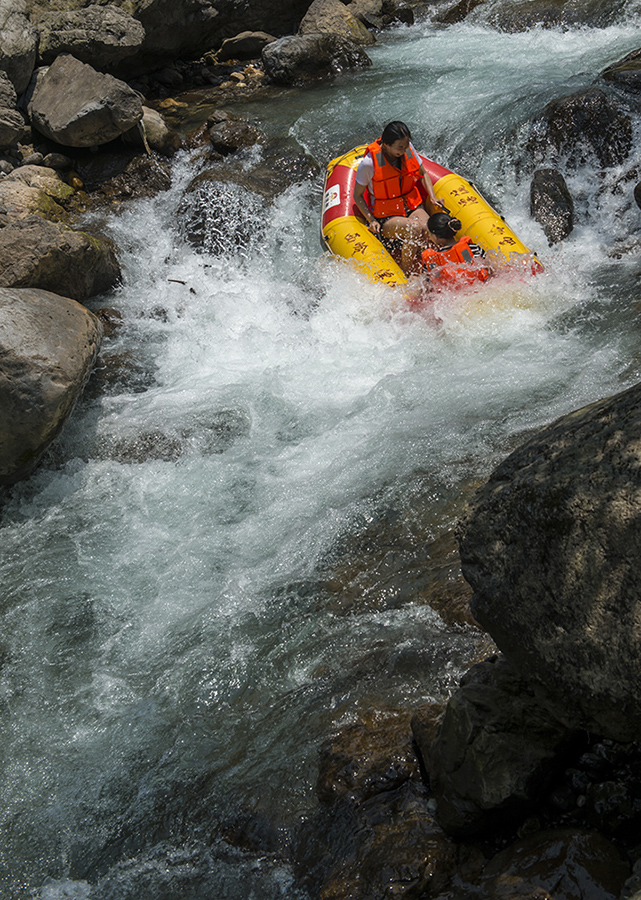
[443,226]
[395,131]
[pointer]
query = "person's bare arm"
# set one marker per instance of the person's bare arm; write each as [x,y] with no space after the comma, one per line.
[359,199]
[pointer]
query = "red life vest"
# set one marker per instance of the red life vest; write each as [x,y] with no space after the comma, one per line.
[395,192]
[455,266]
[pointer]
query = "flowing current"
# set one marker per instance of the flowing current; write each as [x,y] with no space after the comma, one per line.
[229,553]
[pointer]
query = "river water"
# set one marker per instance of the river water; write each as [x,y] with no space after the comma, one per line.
[227,556]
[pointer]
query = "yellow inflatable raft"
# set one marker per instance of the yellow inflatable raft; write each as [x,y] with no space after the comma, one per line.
[345,232]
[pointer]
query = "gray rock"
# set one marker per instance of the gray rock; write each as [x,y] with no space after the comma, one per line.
[19,42]
[12,127]
[78,107]
[496,746]
[246,45]
[156,134]
[300,58]
[521,15]
[8,96]
[48,345]
[551,547]
[551,204]
[36,253]
[586,119]
[333,17]
[100,35]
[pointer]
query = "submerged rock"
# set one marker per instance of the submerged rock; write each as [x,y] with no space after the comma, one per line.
[310,57]
[551,204]
[48,345]
[550,545]
[76,106]
[626,73]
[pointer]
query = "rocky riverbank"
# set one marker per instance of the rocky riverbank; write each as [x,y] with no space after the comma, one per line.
[528,783]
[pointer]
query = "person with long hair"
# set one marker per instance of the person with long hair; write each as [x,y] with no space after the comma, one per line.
[391,172]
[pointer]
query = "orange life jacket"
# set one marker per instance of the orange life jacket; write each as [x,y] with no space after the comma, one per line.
[455,266]
[395,192]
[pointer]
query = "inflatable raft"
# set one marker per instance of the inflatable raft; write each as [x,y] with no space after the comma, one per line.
[345,232]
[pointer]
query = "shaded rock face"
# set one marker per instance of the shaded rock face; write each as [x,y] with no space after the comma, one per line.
[76,106]
[309,57]
[11,122]
[333,17]
[586,119]
[562,863]
[48,345]
[19,42]
[551,204]
[100,35]
[551,547]
[37,253]
[246,45]
[496,747]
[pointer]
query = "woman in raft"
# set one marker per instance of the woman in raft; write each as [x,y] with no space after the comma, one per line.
[391,170]
[452,262]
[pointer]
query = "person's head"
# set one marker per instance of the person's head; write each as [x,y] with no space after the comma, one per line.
[443,226]
[396,138]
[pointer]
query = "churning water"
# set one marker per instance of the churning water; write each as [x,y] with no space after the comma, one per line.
[224,559]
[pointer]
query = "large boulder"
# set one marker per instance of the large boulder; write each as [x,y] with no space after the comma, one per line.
[12,125]
[48,345]
[19,43]
[587,119]
[77,106]
[496,747]
[36,253]
[333,17]
[308,57]
[100,35]
[551,204]
[246,45]
[551,546]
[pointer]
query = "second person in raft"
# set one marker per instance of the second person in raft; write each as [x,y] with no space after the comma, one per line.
[450,261]
[391,171]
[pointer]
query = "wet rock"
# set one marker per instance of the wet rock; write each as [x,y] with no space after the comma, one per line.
[626,73]
[387,846]
[232,135]
[551,204]
[300,58]
[521,15]
[495,748]
[142,176]
[333,17]
[19,41]
[548,547]
[397,12]
[246,45]
[37,253]
[111,320]
[563,863]
[76,106]
[367,758]
[458,12]
[100,35]
[585,121]
[48,345]
[637,194]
